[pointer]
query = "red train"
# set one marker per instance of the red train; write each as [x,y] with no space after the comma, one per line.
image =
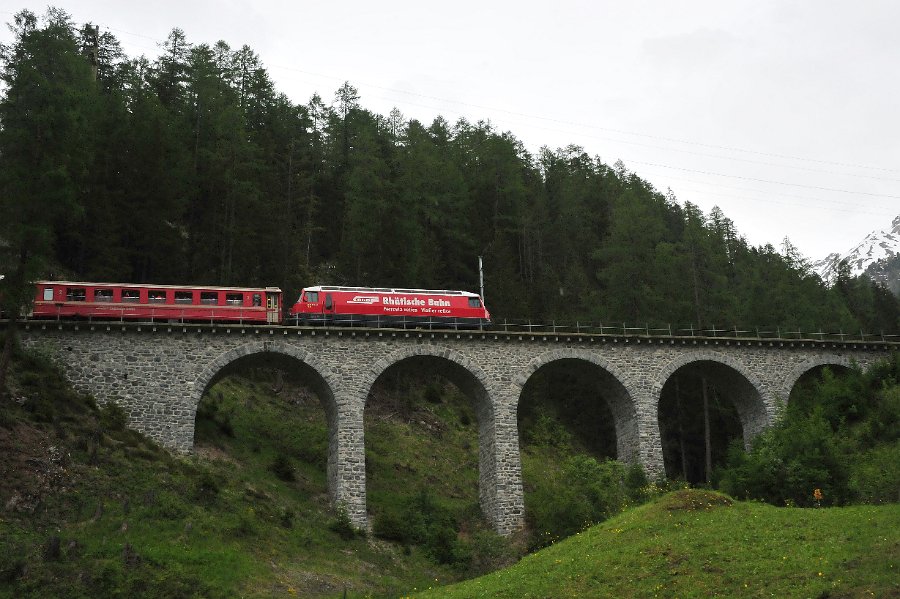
[115,301]
[363,306]
[375,306]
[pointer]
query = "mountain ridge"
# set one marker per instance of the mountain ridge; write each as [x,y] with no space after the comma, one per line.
[876,256]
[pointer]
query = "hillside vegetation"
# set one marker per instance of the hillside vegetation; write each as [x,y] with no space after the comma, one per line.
[701,544]
[93,509]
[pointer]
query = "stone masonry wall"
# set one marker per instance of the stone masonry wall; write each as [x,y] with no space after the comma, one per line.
[158,374]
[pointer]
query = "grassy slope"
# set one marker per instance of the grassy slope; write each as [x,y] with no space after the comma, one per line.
[700,544]
[95,510]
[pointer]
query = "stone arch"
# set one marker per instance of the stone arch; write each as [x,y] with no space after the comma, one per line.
[493,443]
[795,373]
[450,355]
[621,401]
[208,373]
[323,382]
[755,408]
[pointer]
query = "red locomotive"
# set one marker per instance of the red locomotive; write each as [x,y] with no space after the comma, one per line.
[379,307]
[361,306]
[114,301]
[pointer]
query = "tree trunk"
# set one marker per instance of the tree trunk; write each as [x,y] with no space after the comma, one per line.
[6,356]
[680,429]
[706,437]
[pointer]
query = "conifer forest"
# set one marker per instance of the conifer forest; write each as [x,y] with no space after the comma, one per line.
[191,167]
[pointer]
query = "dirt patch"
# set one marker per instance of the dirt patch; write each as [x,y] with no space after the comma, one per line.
[213,454]
[34,466]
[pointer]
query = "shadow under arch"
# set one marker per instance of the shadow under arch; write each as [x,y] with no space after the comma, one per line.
[295,362]
[471,381]
[619,397]
[812,367]
[731,377]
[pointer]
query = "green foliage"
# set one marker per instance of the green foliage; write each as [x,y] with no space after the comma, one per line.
[420,519]
[282,468]
[113,417]
[875,475]
[134,521]
[585,492]
[343,527]
[547,431]
[838,434]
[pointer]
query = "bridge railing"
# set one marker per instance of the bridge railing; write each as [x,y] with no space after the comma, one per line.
[689,330]
[587,328]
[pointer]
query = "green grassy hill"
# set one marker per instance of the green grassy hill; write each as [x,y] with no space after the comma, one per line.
[701,544]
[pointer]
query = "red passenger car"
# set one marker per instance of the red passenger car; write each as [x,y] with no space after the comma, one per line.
[172,303]
[369,306]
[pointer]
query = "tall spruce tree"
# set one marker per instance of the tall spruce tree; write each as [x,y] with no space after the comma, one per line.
[44,150]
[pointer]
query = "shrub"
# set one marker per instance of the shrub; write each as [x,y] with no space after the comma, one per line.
[489,552]
[586,492]
[282,468]
[113,417]
[422,520]
[875,475]
[637,486]
[547,432]
[795,456]
[343,526]
[839,436]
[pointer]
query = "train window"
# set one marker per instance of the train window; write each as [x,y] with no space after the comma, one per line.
[48,294]
[131,296]
[75,294]
[103,295]
[184,297]
[234,299]
[156,296]
[257,300]
[312,297]
[474,302]
[209,297]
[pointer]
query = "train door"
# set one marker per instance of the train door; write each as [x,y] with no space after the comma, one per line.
[273,313]
[329,307]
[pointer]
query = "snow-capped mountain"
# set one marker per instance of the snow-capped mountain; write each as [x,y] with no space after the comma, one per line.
[878,256]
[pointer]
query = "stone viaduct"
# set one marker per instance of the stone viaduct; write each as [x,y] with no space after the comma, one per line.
[159,372]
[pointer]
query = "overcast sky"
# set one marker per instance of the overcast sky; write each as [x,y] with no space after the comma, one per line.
[784,114]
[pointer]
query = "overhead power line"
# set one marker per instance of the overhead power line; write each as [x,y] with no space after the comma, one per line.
[618,131]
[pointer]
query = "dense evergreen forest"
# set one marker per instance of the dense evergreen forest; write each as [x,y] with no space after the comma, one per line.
[191,167]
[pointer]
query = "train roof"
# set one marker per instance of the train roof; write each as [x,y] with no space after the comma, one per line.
[389,290]
[154,286]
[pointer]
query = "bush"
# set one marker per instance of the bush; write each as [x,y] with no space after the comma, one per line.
[547,432]
[282,468]
[875,475]
[585,493]
[637,485]
[343,526]
[489,552]
[113,417]
[840,436]
[787,463]
[421,520]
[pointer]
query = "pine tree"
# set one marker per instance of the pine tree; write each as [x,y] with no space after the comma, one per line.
[44,154]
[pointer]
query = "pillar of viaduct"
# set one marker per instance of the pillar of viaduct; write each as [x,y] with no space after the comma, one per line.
[158,373]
